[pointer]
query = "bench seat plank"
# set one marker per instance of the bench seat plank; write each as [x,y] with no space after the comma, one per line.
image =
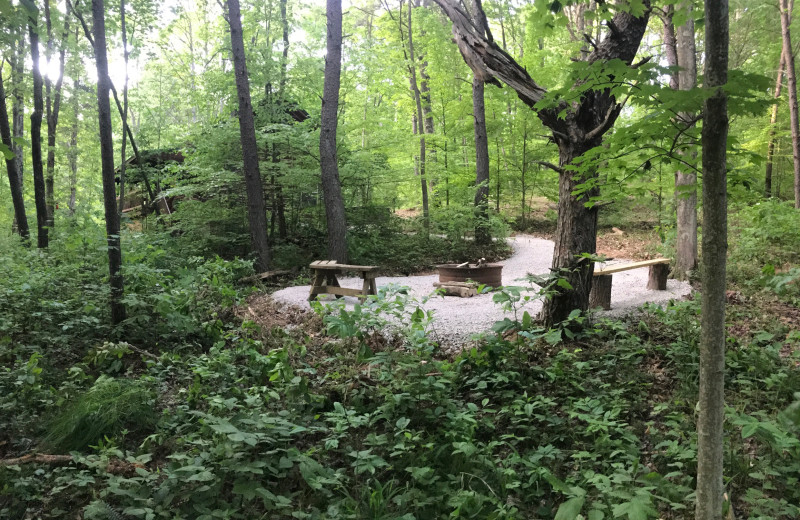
[611,269]
[332,265]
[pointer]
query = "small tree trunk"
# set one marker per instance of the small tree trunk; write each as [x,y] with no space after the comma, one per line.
[686,180]
[773,121]
[73,151]
[792,87]
[329,160]
[107,161]
[124,162]
[256,210]
[17,109]
[36,139]
[482,234]
[418,124]
[11,166]
[715,247]
[53,108]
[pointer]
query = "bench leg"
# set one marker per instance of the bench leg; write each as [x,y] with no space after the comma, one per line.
[332,281]
[318,279]
[373,287]
[657,281]
[601,292]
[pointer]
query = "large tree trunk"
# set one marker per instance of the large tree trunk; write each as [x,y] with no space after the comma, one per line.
[686,180]
[577,126]
[36,138]
[256,211]
[576,233]
[329,160]
[788,51]
[11,166]
[107,162]
[715,247]
[482,234]
[773,121]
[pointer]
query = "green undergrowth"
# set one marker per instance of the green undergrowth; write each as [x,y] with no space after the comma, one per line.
[364,417]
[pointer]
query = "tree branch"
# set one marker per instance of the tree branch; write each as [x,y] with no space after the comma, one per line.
[552,166]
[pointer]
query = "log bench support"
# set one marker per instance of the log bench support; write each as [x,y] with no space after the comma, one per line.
[600,295]
[461,289]
[325,282]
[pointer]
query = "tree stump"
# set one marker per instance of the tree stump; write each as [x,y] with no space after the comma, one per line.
[601,292]
[657,281]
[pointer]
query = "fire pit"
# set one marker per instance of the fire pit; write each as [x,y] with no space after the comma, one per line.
[487,274]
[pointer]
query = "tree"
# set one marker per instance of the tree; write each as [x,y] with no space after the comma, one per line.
[36,131]
[53,105]
[715,249]
[328,157]
[577,126]
[773,121]
[785,7]
[256,211]
[681,53]
[11,166]
[113,241]
[482,235]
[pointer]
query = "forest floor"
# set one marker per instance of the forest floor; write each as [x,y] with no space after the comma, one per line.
[458,320]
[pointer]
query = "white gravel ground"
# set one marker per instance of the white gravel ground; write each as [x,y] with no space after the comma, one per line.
[456,319]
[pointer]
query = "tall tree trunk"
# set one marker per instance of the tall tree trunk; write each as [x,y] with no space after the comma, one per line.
[124,162]
[786,13]
[773,121]
[280,203]
[328,156]
[482,234]
[11,166]
[107,162]
[256,211]
[18,105]
[715,248]
[686,180]
[53,106]
[524,168]
[36,136]
[73,150]
[419,124]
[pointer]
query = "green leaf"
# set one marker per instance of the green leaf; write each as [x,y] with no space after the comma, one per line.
[570,509]
[553,337]
[5,150]
[595,514]
[639,508]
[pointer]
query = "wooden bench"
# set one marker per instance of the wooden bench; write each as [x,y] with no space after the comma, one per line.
[601,285]
[325,282]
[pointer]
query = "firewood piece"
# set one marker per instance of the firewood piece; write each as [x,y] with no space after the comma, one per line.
[465,264]
[461,289]
[657,281]
[601,292]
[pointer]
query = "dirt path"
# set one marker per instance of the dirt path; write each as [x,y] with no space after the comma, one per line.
[457,319]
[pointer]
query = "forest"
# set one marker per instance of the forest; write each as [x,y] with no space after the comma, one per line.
[186,179]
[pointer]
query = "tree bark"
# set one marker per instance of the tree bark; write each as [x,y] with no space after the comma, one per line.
[715,246]
[256,210]
[482,234]
[577,127]
[36,137]
[107,162]
[17,108]
[788,51]
[329,160]
[124,163]
[773,121]
[53,106]
[418,124]
[11,167]
[73,150]
[686,180]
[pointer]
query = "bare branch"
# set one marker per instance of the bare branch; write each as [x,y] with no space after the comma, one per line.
[552,166]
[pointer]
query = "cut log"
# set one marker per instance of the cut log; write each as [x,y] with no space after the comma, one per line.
[460,289]
[265,275]
[657,281]
[601,292]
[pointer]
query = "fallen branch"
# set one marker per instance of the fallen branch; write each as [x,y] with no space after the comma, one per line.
[37,458]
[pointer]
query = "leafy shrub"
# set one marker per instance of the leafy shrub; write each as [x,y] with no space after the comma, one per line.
[105,410]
